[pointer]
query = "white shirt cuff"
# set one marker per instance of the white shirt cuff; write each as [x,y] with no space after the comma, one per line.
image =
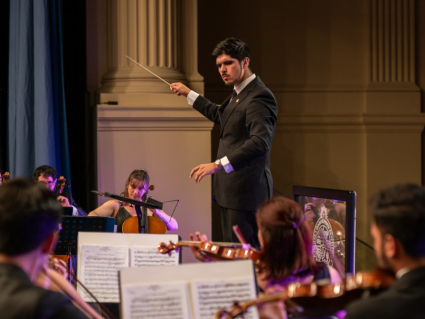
[226,164]
[191,97]
[74,211]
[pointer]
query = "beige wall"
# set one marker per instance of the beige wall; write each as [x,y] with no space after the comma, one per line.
[167,149]
[150,128]
[348,86]
[349,105]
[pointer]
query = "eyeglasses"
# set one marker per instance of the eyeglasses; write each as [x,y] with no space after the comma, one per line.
[47,183]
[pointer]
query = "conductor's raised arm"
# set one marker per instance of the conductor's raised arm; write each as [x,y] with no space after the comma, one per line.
[180,89]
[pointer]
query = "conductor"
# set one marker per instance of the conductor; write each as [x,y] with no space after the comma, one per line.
[242,177]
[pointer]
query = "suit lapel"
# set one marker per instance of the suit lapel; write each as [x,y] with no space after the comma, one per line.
[228,108]
[223,107]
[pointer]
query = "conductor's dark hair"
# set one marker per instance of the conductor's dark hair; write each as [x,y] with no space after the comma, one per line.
[400,212]
[28,215]
[234,47]
[45,171]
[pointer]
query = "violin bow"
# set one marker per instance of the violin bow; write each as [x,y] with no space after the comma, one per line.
[106,310]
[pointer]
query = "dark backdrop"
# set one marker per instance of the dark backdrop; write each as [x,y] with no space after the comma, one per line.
[4,71]
[77,104]
[79,115]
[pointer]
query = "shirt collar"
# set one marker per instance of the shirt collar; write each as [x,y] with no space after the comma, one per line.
[244,83]
[402,272]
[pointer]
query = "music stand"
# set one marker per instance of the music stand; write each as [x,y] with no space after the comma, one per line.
[67,211]
[142,214]
[71,226]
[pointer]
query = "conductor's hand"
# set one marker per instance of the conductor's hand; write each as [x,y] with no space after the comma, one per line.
[203,170]
[64,201]
[179,89]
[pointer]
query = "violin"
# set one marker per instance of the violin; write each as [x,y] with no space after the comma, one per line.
[317,299]
[217,250]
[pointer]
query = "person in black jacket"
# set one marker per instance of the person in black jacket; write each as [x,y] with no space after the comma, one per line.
[29,218]
[242,177]
[48,176]
[399,242]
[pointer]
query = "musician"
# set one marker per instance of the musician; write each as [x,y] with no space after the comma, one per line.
[48,176]
[29,217]
[136,187]
[242,177]
[286,246]
[399,242]
[286,252]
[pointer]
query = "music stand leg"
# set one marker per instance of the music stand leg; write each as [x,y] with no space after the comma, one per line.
[69,262]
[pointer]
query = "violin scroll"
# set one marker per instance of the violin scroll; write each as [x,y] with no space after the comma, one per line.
[238,309]
[163,248]
[61,185]
[6,177]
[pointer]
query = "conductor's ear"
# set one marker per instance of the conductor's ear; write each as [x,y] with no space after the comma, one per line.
[245,62]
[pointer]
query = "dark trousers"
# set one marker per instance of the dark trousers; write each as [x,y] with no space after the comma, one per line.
[246,222]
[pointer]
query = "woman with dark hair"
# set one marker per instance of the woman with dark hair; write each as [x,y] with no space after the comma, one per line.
[286,247]
[136,187]
[285,254]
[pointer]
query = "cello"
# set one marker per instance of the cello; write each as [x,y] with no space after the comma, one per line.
[155,224]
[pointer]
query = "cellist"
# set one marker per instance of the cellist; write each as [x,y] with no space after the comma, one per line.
[136,187]
[47,175]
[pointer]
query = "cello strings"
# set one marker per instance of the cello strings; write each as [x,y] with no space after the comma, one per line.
[148,70]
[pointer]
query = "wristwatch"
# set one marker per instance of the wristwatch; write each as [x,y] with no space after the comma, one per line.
[218,163]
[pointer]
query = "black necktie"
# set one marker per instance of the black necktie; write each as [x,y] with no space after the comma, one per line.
[233,95]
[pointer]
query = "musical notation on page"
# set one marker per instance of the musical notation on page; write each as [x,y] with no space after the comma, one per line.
[99,271]
[149,256]
[161,301]
[209,296]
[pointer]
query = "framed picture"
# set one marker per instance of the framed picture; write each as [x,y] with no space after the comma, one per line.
[332,216]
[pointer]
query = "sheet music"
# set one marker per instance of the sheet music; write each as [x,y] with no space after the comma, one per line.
[149,256]
[210,296]
[162,301]
[99,271]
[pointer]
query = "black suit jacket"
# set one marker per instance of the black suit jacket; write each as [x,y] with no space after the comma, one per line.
[20,299]
[72,202]
[247,128]
[404,299]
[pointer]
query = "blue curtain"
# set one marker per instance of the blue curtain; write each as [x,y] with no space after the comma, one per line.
[38,132]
